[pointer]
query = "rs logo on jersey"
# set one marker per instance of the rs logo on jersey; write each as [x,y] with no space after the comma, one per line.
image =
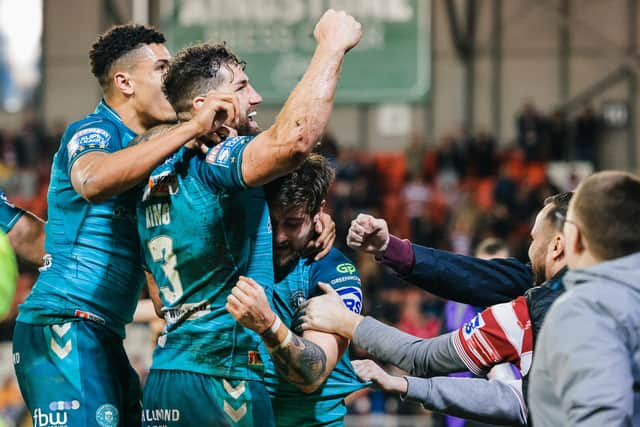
[472,325]
[351,297]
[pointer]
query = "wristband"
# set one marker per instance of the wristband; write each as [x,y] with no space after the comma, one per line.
[284,342]
[274,326]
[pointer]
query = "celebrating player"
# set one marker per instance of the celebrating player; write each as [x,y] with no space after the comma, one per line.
[203,221]
[68,336]
[314,363]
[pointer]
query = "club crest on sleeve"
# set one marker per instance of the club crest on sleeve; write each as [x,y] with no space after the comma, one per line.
[88,139]
[472,325]
[351,297]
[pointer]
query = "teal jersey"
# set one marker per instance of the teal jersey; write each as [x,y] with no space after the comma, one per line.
[325,406]
[93,268]
[200,228]
[9,214]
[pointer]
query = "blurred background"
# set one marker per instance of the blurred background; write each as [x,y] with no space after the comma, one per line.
[454,120]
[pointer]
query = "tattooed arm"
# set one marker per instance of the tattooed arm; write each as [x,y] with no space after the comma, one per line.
[304,361]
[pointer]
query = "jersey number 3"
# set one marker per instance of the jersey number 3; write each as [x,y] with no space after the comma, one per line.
[161,249]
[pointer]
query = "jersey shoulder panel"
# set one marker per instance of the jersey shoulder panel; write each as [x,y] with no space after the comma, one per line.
[340,273]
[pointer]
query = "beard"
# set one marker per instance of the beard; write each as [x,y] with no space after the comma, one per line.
[248,127]
[539,274]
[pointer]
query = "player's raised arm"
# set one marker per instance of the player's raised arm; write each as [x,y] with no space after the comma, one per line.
[305,362]
[305,115]
[99,175]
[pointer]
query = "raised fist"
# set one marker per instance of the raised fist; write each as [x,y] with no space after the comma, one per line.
[338,30]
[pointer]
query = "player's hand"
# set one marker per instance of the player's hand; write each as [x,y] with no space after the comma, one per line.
[368,234]
[215,110]
[368,370]
[326,230]
[326,313]
[214,137]
[248,304]
[338,30]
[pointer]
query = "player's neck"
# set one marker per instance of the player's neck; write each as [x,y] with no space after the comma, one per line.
[127,113]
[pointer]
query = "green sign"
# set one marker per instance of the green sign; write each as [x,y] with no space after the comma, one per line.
[275,38]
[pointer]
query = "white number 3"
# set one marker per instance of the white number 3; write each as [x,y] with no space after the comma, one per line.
[161,249]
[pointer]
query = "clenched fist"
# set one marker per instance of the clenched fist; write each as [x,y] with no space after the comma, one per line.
[338,30]
[248,304]
[368,234]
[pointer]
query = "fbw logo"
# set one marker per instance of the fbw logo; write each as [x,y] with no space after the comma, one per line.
[42,419]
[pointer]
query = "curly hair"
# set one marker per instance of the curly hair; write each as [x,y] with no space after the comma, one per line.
[195,70]
[118,41]
[306,186]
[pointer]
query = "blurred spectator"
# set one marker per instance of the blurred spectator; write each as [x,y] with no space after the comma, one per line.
[328,147]
[588,126]
[558,128]
[415,196]
[482,152]
[531,132]
[31,141]
[415,154]
[450,157]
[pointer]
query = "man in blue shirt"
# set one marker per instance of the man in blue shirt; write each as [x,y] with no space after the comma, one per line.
[203,221]
[70,362]
[307,375]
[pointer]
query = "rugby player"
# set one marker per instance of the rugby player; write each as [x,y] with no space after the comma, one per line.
[203,221]
[70,362]
[314,363]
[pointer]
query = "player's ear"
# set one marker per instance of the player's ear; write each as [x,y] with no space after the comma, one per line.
[122,82]
[197,102]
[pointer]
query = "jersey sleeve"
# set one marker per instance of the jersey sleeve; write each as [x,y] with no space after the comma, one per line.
[501,333]
[222,168]
[99,135]
[9,214]
[340,273]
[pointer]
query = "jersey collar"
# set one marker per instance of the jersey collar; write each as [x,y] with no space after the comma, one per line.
[104,108]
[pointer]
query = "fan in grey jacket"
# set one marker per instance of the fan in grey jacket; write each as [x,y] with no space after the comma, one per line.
[587,366]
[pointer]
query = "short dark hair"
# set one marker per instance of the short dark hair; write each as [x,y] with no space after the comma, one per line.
[195,71]
[306,186]
[607,210]
[116,42]
[560,204]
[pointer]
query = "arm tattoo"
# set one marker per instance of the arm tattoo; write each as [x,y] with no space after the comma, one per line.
[153,132]
[302,362]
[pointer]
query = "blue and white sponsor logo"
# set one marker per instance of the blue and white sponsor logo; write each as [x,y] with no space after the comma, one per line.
[107,415]
[223,156]
[472,325]
[351,297]
[88,139]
